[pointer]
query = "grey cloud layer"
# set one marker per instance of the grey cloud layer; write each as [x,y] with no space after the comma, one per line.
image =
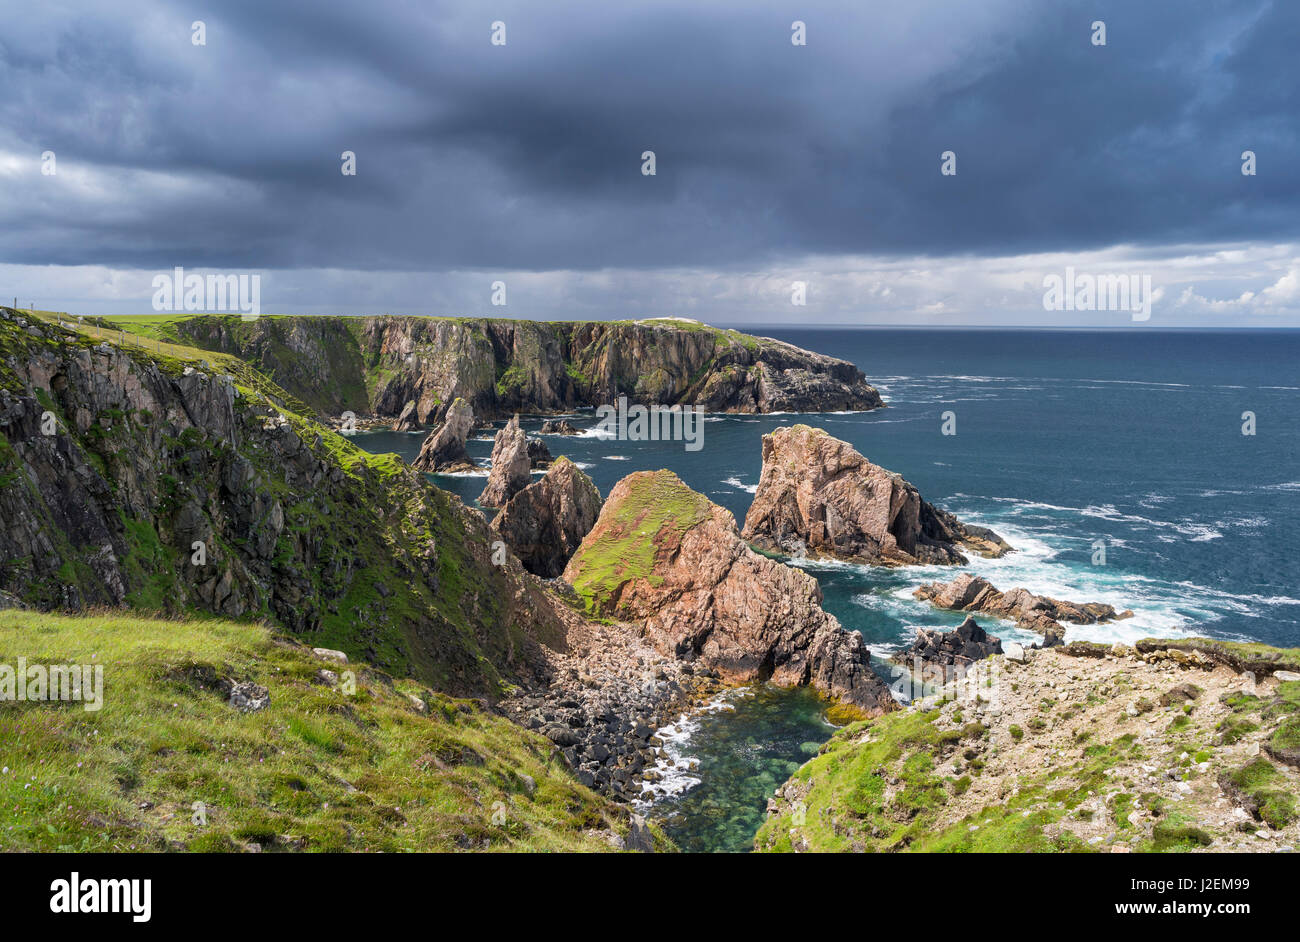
[526,157]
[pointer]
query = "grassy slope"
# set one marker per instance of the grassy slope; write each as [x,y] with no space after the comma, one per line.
[317,769]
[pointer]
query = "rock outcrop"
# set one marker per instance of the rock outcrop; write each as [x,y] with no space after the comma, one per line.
[558,427]
[818,496]
[444,449]
[950,651]
[970,593]
[510,466]
[375,365]
[669,559]
[545,522]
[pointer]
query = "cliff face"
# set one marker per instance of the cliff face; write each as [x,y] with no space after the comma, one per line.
[816,495]
[376,365]
[671,560]
[148,456]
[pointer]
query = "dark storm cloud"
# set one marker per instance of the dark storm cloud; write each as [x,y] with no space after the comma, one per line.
[527,156]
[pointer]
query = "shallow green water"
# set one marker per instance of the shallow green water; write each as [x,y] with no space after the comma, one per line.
[745,754]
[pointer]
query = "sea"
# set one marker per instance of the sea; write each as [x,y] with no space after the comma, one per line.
[1157,471]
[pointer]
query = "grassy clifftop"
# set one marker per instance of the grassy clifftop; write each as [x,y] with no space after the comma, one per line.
[319,769]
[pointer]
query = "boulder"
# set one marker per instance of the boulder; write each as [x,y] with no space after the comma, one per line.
[817,495]
[670,559]
[545,522]
[444,449]
[510,466]
[249,697]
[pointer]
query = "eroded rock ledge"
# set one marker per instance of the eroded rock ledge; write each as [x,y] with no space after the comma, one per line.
[969,593]
[818,496]
[669,559]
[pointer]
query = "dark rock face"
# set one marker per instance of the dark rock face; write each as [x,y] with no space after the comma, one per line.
[969,593]
[375,365]
[444,449]
[545,522]
[703,595]
[407,421]
[510,466]
[818,496]
[952,650]
[558,427]
[539,456]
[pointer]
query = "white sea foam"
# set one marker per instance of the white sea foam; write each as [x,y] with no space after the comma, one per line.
[678,771]
[740,485]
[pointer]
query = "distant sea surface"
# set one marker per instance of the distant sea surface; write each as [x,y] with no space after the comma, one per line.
[1063,439]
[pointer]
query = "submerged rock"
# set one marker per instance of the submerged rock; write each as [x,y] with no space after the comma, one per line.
[670,559]
[444,449]
[510,466]
[819,496]
[545,522]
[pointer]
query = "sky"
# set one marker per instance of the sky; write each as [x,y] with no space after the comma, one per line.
[504,143]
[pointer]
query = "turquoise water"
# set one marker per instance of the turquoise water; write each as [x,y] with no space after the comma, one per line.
[1063,439]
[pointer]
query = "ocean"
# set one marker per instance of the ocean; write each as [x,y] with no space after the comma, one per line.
[1066,442]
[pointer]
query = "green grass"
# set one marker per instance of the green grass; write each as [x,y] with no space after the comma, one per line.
[1264,789]
[318,769]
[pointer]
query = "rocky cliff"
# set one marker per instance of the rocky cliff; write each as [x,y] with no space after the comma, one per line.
[137,480]
[669,559]
[817,496]
[377,365]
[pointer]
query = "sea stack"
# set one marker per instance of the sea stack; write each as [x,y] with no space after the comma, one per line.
[545,522]
[444,449]
[817,496]
[510,466]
